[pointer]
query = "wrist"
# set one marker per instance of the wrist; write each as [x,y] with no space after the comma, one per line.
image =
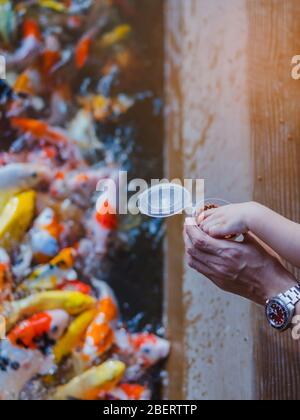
[283,280]
[253,214]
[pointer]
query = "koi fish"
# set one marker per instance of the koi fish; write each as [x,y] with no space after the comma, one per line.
[29,48]
[80,186]
[52,275]
[108,80]
[6,280]
[22,266]
[83,48]
[82,131]
[28,332]
[100,333]
[76,286]
[17,367]
[88,385]
[57,6]
[103,108]
[127,392]
[60,105]
[106,216]
[149,348]
[29,82]
[143,350]
[73,303]
[74,335]
[18,177]
[98,230]
[21,176]
[77,7]
[51,54]
[40,130]
[45,235]
[120,33]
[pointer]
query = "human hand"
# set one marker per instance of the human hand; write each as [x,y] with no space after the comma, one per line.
[229,220]
[247,269]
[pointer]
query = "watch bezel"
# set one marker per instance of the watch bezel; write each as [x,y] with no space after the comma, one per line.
[286,310]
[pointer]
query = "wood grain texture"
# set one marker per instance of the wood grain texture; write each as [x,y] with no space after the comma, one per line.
[274,38]
[174,312]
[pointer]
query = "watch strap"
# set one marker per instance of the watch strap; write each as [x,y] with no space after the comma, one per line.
[292,296]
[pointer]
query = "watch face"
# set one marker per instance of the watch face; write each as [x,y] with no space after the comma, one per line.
[278,314]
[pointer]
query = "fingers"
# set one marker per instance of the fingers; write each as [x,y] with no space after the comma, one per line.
[209,260]
[199,266]
[201,240]
[206,214]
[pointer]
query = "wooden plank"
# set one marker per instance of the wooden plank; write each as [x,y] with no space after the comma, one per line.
[275,126]
[174,312]
[208,137]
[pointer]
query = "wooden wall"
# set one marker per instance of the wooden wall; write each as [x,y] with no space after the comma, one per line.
[233,118]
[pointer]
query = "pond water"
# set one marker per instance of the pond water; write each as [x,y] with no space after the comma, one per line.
[44,85]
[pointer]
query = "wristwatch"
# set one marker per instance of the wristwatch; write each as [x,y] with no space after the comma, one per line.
[281,309]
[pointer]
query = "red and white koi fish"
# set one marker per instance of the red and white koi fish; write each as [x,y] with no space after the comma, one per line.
[148,348]
[29,48]
[99,227]
[45,235]
[17,367]
[128,392]
[51,324]
[142,350]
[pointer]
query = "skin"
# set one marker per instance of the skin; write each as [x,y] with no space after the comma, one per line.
[281,234]
[249,269]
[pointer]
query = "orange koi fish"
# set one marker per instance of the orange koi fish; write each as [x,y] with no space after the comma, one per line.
[40,130]
[100,334]
[83,48]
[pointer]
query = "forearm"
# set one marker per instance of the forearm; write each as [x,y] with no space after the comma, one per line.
[281,234]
